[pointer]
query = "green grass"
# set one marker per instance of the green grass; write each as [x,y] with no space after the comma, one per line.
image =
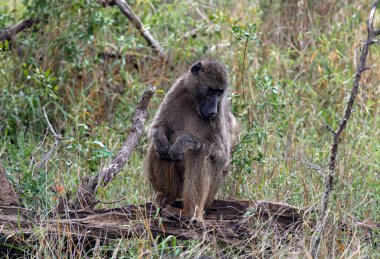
[13,7]
[314,60]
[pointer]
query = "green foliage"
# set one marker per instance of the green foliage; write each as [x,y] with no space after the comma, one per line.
[246,33]
[271,95]
[31,185]
[249,149]
[267,95]
[87,147]
[22,102]
[5,17]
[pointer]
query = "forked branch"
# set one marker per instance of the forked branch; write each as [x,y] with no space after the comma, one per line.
[127,10]
[87,188]
[329,179]
[136,21]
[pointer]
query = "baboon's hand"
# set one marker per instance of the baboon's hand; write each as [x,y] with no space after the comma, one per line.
[176,153]
[190,142]
[162,152]
[183,143]
[161,143]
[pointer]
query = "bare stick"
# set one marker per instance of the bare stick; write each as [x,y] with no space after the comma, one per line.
[127,11]
[330,129]
[88,185]
[329,180]
[8,33]
[57,139]
[315,167]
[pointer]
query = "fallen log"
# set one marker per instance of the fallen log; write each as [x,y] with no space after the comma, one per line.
[229,221]
[226,220]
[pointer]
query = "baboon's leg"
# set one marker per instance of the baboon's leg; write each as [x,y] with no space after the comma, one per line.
[212,193]
[166,180]
[197,184]
[219,175]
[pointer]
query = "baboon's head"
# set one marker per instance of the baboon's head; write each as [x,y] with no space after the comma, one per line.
[208,83]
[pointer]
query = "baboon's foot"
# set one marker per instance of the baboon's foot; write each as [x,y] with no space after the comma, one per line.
[162,201]
[181,214]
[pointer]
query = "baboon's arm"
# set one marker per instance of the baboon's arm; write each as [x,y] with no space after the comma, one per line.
[161,143]
[185,142]
[174,152]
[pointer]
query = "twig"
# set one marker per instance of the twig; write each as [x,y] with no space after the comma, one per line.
[112,202]
[106,3]
[261,95]
[329,180]
[49,125]
[8,33]
[191,34]
[87,188]
[319,169]
[315,167]
[57,139]
[242,74]
[38,148]
[202,15]
[330,129]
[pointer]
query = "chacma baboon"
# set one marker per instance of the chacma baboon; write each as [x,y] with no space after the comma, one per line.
[190,140]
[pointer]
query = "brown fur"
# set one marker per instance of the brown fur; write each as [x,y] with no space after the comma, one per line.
[188,155]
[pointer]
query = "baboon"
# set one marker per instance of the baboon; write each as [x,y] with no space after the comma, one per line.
[190,140]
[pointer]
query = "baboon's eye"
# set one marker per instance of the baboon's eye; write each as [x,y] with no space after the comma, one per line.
[218,92]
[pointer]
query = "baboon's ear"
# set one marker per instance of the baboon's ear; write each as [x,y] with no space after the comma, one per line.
[196,68]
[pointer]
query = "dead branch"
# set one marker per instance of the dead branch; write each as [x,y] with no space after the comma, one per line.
[329,180]
[87,187]
[127,11]
[8,33]
[57,140]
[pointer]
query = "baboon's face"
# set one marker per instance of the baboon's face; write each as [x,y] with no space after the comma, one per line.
[210,87]
[209,102]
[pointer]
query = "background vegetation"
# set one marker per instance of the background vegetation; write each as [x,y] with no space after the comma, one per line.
[291,66]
